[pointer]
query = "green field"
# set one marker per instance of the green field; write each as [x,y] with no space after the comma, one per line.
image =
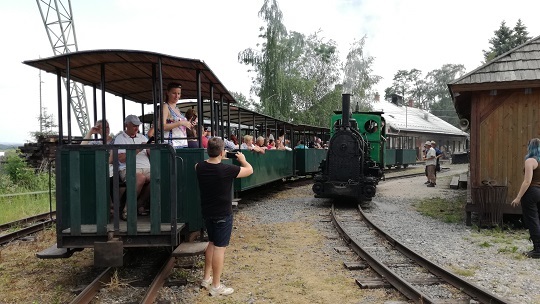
[18,207]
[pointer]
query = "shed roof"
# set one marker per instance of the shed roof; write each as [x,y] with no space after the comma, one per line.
[403,118]
[513,69]
[129,73]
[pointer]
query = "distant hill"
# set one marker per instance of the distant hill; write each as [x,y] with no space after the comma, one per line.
[9,146]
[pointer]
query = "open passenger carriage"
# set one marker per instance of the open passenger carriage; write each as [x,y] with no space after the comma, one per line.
[83,187]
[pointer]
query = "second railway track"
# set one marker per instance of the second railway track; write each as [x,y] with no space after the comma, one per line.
[416,277]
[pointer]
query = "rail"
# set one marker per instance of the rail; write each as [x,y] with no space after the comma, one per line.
[26,193]
[403,285]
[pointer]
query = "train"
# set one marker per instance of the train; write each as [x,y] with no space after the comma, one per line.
[88,204]
[354,163]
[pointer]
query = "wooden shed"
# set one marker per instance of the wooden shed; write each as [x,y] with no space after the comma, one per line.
[500,102]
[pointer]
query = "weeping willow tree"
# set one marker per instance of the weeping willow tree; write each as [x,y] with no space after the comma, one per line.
[358,79]
[292,71]
[297,77]
[268,62]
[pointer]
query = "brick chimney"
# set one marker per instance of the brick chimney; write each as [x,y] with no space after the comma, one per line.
[377,97]
[411,102]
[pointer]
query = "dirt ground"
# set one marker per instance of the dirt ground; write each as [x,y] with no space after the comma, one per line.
[283,261]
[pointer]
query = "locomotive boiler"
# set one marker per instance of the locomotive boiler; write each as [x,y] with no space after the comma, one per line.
[353,164]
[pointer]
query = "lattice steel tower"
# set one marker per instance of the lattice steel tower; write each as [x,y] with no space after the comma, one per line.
[60,27]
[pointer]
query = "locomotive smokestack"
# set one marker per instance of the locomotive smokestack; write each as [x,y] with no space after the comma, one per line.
[345,109]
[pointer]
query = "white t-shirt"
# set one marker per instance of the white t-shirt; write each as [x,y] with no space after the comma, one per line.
[431,153]
[142,161]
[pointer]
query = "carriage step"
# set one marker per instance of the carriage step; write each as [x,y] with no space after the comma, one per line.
[54,252]
[190,249]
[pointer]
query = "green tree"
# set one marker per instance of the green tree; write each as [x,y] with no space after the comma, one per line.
[292,71]
[410,86]
[48,125]
[18,171]
[243,101]
[358,78]
[268,63]
[438,94]
[506,39]
[521,35]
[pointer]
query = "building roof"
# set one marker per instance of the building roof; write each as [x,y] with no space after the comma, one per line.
[520,64]
[403,118]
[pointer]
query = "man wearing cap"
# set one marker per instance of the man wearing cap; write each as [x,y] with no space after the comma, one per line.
[131,136]
[431,161]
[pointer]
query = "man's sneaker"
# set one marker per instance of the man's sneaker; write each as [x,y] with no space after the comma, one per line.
[206,284]
[431,185]
[221,290]
[426,183]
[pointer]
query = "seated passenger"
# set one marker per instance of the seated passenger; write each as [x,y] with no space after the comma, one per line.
[229,144]
[248,144]
[129,136]
[281,146]
[205,136]
[271,144]
[318,143]
[260,143]
[300,145]
[97,129]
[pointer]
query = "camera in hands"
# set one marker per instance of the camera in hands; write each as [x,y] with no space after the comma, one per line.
[231,154]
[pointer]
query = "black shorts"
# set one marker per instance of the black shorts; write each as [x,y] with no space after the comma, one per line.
[219,230]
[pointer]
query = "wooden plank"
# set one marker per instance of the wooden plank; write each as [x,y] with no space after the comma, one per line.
[462,181]
[102,195]
[454,184]
[190,249]
[131,192]
[155,191]
[75,192]
[372,283]
[355,265]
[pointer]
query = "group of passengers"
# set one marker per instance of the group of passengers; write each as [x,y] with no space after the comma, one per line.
[180,131]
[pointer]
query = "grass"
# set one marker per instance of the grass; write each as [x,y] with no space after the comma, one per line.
[462,271]
[18,207]
[446,210]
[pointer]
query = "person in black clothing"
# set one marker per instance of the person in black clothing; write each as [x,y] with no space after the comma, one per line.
[215,184]
[529,195]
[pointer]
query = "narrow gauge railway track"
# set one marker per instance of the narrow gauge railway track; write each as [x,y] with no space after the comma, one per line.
[407,175]
[156,271]
[25,226]
[416,277]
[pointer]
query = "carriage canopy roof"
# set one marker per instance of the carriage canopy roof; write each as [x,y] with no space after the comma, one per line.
[128,73]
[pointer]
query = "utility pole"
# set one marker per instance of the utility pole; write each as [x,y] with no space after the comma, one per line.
[40,106]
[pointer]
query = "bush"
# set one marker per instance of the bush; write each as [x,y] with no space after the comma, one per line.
[20,176]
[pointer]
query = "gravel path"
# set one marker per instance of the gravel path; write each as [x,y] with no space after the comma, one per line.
[495,262]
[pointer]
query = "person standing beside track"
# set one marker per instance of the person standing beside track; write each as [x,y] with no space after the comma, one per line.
[431,162]
[529,196]
[216,206]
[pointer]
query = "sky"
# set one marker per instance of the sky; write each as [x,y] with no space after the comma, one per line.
[400,35]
